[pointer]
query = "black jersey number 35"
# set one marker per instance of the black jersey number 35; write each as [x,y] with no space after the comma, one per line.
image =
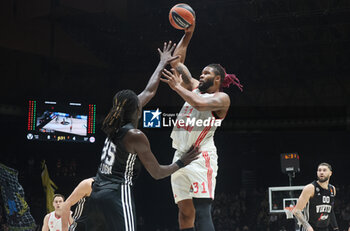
[108,153]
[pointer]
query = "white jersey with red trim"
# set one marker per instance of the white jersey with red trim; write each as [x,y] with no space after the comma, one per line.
[55,223]
[194,127]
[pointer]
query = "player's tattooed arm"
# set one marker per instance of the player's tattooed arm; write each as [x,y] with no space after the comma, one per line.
[186,75]
[304,198]
[299,215]
[187,81]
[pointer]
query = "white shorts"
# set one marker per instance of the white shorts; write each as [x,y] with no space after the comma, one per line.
[197,179]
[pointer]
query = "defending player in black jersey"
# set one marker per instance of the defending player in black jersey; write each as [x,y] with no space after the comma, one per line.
[111,203]
[317,200]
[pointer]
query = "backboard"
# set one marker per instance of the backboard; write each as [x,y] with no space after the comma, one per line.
[282,197]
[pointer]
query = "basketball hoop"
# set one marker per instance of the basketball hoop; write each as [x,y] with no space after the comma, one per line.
[289,212]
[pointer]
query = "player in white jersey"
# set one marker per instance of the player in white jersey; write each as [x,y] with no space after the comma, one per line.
[205,107]
[53,221]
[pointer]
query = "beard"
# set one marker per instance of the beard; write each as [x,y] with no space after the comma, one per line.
[324,179]
[203,87]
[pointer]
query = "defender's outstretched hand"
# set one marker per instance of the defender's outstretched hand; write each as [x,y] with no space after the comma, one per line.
[173,79]
[166,55]
[151,88]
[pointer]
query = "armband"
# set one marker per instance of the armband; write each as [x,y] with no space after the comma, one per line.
[180,163]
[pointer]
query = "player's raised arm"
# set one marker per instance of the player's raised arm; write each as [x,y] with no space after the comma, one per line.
[304,198]
[181,49]
[178,64]
[137,142]
[151,88]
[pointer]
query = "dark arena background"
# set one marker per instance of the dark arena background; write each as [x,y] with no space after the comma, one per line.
[291,56]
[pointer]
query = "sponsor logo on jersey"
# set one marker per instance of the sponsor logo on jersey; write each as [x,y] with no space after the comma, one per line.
[323,217]
[323,208]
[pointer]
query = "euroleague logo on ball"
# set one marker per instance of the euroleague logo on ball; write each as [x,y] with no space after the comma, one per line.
[181,16]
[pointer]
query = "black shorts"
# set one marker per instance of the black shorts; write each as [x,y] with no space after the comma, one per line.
[110,207]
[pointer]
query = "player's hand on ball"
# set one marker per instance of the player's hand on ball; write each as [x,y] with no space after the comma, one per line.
[166,55]
[173,78]
[190,155]
[190,29]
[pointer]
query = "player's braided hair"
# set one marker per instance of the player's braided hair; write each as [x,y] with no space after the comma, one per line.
[225,79]
[125,103]
[218,70]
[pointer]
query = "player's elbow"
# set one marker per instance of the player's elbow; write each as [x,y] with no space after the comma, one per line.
[175,63]
[200,106]
[150,94]
[159,173]
[157,176]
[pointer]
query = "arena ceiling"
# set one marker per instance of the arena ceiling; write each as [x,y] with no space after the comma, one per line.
[286,53]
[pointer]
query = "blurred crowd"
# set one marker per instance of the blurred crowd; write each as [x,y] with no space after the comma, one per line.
[242,210]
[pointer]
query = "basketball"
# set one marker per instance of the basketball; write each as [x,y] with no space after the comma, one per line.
[181,16]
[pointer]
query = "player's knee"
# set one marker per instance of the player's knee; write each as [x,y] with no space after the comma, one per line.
[202,205]
[187,212]
[203,214]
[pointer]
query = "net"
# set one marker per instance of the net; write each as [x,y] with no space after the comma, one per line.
[289,212]
[16,208]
